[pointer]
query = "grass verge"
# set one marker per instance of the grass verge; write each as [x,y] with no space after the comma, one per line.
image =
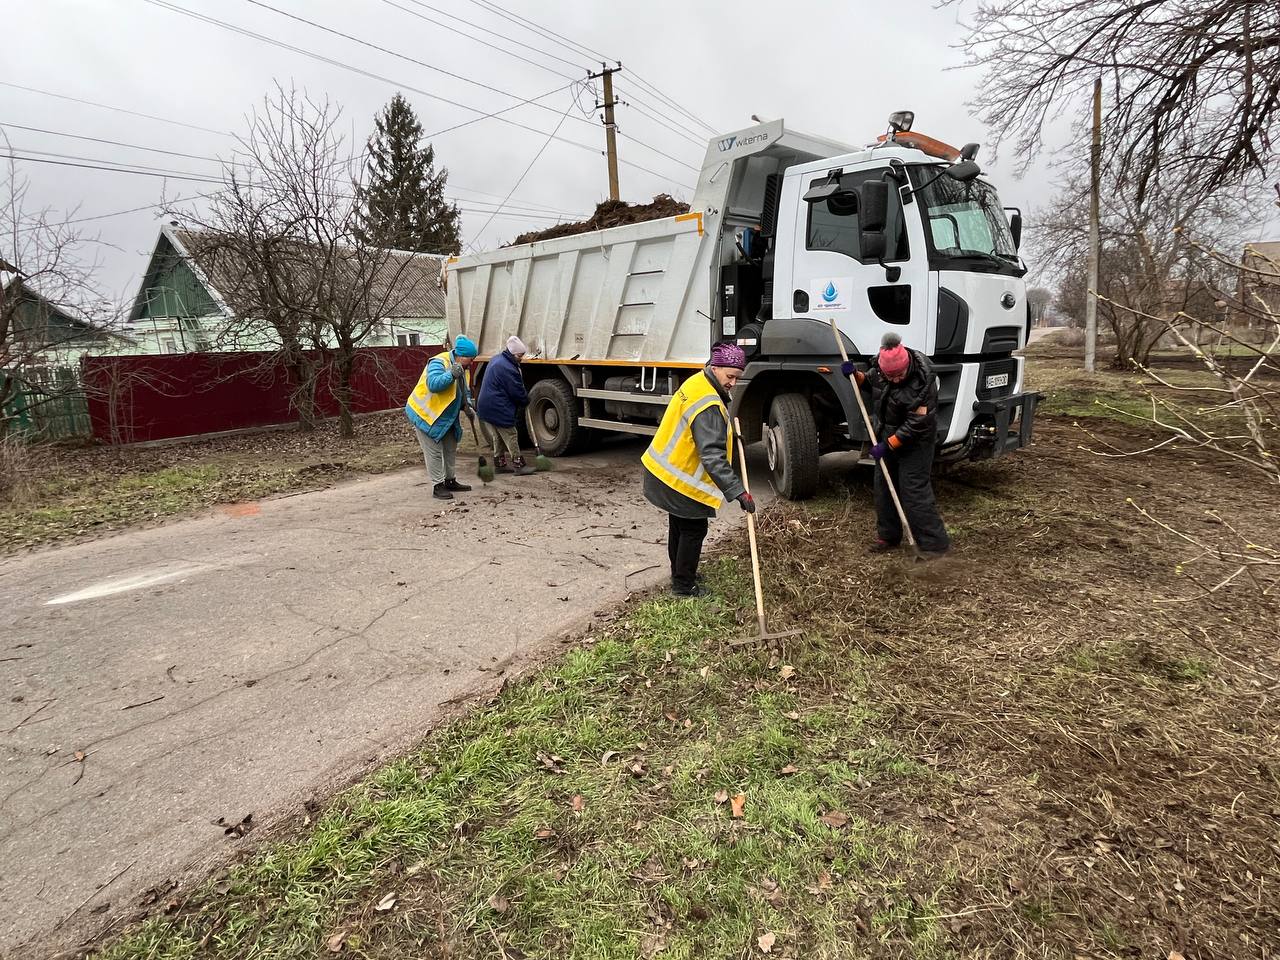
[655,792]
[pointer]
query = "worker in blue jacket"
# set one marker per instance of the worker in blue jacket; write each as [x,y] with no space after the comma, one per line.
[502,395]
[435,408]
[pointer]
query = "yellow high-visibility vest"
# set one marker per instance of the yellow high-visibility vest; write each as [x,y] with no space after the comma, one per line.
[430,405]
[672,457]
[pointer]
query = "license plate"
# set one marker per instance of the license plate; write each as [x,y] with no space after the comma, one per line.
[997,380]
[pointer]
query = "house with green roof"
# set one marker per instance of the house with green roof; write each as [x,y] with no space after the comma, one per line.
[179,308]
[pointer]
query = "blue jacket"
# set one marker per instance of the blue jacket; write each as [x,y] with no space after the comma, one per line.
[502,392]
[439,376]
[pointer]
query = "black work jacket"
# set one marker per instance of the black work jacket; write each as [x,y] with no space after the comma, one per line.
[895,404]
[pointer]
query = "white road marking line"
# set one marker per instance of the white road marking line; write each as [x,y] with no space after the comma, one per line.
[137,581]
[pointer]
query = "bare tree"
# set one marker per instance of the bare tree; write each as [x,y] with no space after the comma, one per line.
[46,298]
[1149,267]
[1193,85]
[282,238]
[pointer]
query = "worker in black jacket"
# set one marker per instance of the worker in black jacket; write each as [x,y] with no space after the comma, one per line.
[904,396]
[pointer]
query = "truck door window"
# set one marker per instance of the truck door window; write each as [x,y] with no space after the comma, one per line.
[834,227]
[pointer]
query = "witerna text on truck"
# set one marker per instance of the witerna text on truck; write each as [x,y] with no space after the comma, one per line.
[786,232]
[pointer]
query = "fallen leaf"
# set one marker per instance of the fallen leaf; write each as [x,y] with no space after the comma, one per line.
[499,903]
[577,803]
[738,805]
[793,715]
[704,672]
[1175,955]
[788,770]
[835,819]
[544,833]
[722,796]
[80,756]
[823,884]
[386,903]
[765,942]
[334,943]
[787,672]
[637,768]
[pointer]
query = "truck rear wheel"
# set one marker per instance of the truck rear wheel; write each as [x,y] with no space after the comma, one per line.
[791,445]
[554,412]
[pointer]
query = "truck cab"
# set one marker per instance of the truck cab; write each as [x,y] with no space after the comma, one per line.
[902,236]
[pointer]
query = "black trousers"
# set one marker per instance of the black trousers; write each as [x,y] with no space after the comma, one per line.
[684,547]
[911,469]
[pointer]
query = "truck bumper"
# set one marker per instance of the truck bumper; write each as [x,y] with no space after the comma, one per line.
[999,426]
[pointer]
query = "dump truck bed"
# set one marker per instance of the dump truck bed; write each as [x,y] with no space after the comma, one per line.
[622,294]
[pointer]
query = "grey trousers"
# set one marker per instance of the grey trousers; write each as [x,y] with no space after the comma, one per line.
[439,455]
[502,439]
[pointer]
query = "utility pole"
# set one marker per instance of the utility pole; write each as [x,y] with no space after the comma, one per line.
[1095,186]
[610,128]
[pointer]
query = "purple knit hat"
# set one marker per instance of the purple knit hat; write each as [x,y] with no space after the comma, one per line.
[728,355]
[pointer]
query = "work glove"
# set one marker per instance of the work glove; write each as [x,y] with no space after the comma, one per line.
[847,368]
[747,502]
[458,371]
[878,450]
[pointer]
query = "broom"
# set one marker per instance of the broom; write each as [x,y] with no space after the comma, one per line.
[484,471]
[539,461]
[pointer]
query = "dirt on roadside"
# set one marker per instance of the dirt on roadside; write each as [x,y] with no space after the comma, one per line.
[1104,722]
[610,213]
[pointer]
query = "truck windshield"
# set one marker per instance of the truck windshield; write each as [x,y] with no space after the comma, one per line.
[964,220]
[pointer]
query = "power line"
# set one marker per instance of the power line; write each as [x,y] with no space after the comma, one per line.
[493,46]
[163,4]
[583,50]
[501,36]
[672,126]
[106,106]
[447,73]
[520,179]
[89,163]
[114,143]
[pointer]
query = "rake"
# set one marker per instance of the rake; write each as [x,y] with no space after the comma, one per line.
[755,559]
[871,432]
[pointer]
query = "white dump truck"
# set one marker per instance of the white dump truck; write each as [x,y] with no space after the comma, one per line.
[785,233]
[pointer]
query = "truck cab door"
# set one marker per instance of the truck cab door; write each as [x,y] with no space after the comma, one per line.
[832,278]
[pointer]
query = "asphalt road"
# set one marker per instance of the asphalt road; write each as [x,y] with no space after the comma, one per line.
[165,680]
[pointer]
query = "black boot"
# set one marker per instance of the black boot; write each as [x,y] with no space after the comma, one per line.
[454,486]
[522,469]
[441,491]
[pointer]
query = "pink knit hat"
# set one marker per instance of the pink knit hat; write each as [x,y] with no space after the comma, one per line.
[894,358]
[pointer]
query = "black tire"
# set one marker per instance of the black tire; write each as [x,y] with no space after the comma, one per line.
[554,411]
[791,444]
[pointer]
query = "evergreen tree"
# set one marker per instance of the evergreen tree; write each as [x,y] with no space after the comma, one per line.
[403,199]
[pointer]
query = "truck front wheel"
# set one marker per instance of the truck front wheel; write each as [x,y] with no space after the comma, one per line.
[791,445]
[554,411]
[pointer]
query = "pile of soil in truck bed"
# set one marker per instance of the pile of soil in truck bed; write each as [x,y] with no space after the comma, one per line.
[611,213]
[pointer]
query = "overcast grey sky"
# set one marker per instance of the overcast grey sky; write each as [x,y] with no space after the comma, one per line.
[834,69]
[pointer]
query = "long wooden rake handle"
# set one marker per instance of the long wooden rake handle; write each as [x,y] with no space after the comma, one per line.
[871,432]
[751,530]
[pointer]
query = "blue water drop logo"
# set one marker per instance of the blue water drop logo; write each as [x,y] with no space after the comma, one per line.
[830,293]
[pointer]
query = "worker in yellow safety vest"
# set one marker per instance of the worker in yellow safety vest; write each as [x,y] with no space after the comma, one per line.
[689,465]
[435,409]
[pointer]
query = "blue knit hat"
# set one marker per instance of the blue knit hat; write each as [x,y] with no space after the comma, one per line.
[464,346]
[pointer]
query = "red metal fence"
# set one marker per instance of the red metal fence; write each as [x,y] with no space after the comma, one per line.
[133,399]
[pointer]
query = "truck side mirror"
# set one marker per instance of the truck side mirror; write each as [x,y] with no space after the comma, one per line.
[1015,228]
[964,171]
[873,204]
[871,244]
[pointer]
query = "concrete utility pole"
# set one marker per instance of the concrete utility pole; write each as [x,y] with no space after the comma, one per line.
[610,128]
[1095,185]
